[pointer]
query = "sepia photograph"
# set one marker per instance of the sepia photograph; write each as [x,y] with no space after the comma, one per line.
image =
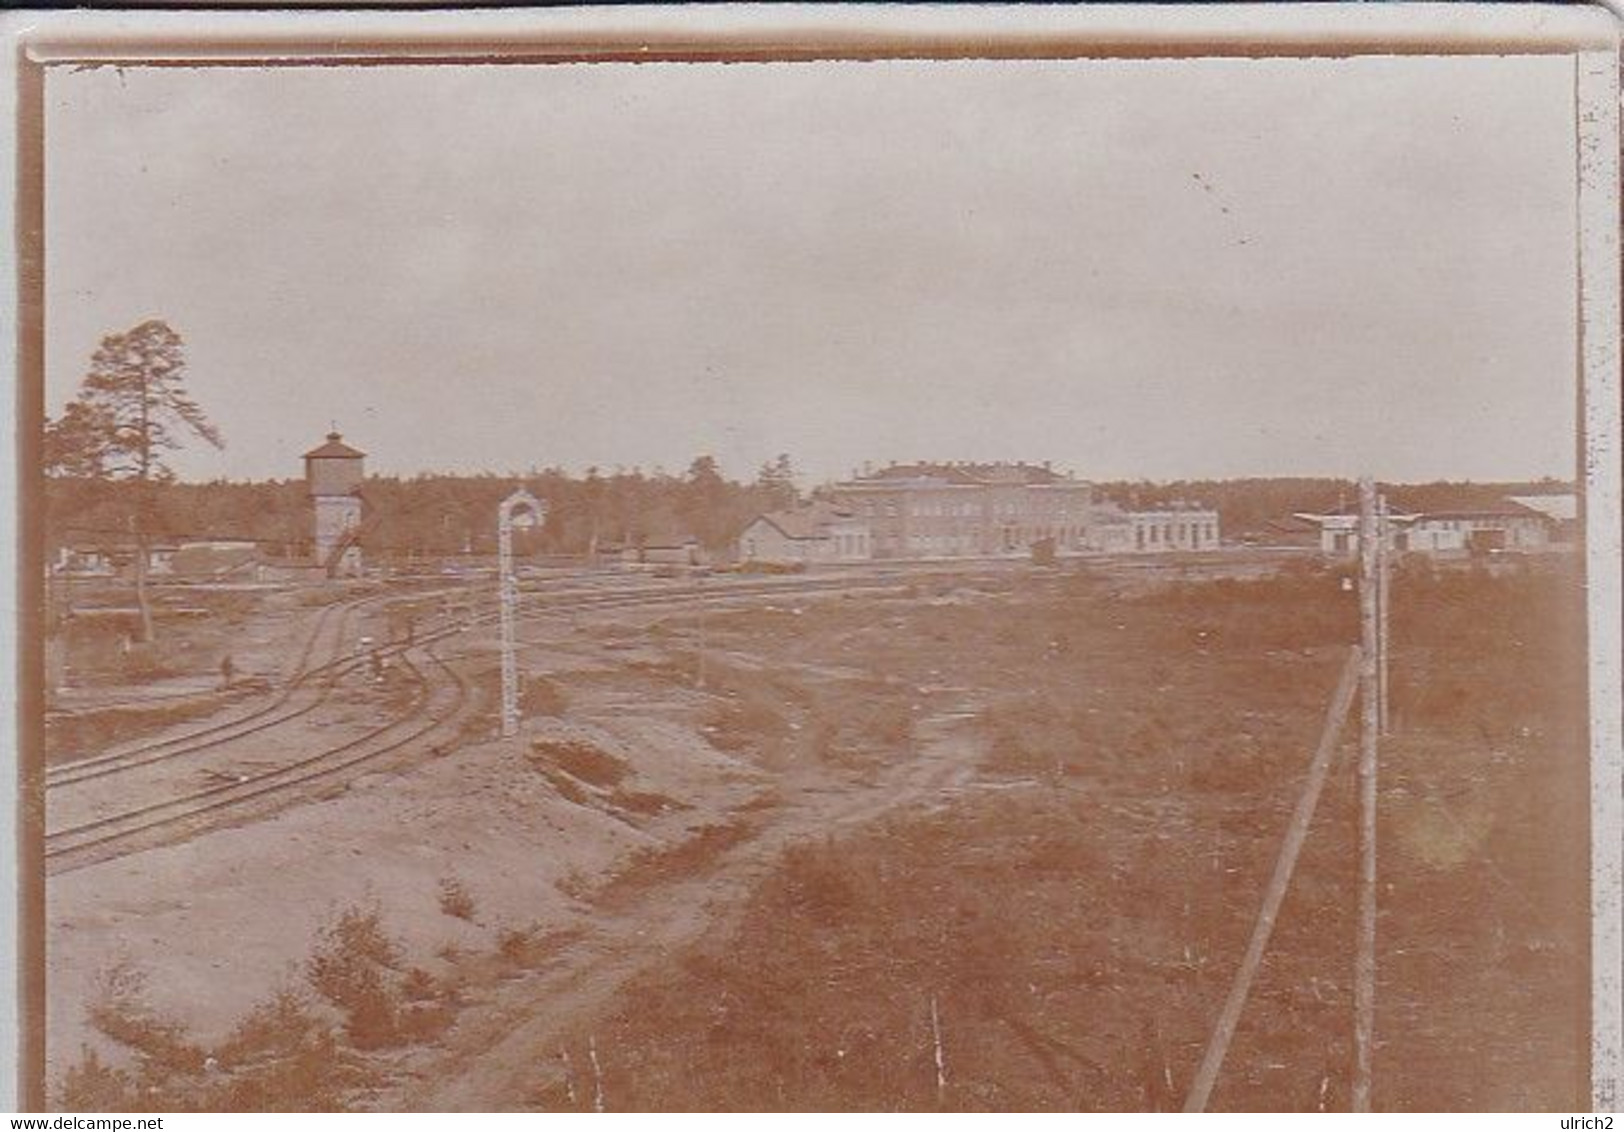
[820,560]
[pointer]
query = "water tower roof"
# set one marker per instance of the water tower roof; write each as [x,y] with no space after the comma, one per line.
[334,449]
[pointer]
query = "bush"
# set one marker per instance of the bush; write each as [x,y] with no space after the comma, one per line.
[90,1085]
[513,944]
[353,966]
[748,720]
[121,1012]
[542,696]
[282,1058]
[144,662]
[581,760]
[822,882]
[533,946]
[455,899]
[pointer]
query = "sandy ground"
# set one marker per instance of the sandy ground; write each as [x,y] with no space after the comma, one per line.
[624,878]
[502,1051]
[97,716]
[222,921]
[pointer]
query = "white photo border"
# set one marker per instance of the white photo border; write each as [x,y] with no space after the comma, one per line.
[37,41]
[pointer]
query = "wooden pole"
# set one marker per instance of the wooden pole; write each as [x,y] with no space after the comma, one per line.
[1384,589]
[508,597]
[941,1060]
[1364,961]
[704,644]
[1296,833]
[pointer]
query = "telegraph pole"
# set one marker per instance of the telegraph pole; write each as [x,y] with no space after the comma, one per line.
[519,509]
[1384,589]
[1364,963]
[699,681]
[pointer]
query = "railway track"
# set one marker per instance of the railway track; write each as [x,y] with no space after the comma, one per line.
[560,601]
[155,823]
[318,681]
[324,676]
[147,700]
[257,719]
[176,817]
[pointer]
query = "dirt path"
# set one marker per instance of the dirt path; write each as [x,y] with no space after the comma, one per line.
[502,1052]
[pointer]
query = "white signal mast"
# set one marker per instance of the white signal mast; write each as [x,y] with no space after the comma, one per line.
[521,509]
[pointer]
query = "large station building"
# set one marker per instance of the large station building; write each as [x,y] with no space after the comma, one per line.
[968,510]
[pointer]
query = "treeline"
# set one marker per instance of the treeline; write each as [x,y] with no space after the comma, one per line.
[434,515]
[444,515]
[1251,504]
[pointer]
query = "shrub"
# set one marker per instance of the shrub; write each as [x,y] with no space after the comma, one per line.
[512,944]
[143,662]
[282,1057]
[277,1027]
[121,1012]
[542,696]
[583,761]
[373,1014]
[822,883]
[750,719]
[532,946]
[353,966]
[91,1085]
[455,899]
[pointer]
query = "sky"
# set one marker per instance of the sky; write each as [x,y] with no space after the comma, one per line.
[1134,269]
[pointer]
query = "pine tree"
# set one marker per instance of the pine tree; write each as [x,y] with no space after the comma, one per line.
[131,411]
[776,481]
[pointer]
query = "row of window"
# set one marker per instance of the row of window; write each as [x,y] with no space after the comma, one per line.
[1177,534]
[1476,524]
[968,508]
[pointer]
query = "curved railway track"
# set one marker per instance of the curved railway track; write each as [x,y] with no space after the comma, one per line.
[321,679]
[270,714]
[147,700]
[176,817]
[156,822]
[257,719]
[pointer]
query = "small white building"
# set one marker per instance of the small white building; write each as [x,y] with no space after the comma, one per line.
[1507,528]
[1157,530]
[103,561]
[822,532]
[673,552]
[220,559]
[1561,511]
[1510,526]
[1174,529]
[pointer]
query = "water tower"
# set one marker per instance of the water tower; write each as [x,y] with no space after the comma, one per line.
[334,474]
